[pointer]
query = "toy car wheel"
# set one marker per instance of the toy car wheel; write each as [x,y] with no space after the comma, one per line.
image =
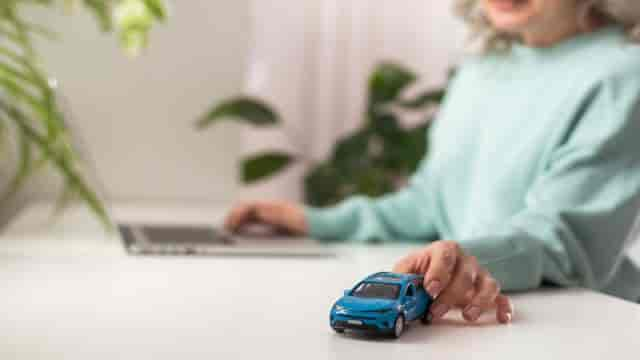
[339,331]
[426,318]
[398,327]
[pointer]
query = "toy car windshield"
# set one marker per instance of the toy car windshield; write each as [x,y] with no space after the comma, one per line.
[377,291]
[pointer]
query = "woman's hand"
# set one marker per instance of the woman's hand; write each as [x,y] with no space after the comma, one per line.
[284,215]
[456,280]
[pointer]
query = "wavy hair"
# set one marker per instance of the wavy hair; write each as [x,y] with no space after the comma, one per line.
[592,12]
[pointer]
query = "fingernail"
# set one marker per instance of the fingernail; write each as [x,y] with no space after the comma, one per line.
[507,318]
[434,288]
[473,313]
[440,310]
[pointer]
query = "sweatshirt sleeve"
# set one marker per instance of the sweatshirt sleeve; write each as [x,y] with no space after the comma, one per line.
[406,215]
[580,212]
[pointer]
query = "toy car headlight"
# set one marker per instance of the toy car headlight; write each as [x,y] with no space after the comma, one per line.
[339,308]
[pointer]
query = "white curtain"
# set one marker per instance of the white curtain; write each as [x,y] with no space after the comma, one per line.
[311,59]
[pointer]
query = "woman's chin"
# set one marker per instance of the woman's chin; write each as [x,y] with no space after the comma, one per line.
[510,23]
[509,16]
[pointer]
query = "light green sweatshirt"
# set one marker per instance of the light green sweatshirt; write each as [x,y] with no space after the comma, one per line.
[534,169]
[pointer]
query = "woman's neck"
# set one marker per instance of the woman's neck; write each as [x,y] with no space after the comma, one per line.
[552,36]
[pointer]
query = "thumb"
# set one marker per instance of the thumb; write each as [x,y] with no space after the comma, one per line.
[416,263]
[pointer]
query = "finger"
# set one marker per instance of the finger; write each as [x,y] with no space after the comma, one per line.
[460,290]
[487,290]
[238,217]
[504,309]
[415,263]
[442,264]
[404,266]
[271,214]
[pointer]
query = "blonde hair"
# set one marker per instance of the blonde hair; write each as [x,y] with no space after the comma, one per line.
[621,12]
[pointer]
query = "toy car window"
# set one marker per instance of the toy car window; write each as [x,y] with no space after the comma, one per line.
[377,290]
[410,291]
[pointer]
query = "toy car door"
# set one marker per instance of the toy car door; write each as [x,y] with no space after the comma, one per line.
[411,302]
[424,299]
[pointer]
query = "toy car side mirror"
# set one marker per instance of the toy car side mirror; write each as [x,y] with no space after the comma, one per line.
[347,292]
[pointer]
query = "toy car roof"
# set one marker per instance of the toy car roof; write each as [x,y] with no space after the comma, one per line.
[389,277]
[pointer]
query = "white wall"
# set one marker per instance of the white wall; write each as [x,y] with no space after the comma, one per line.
[135,116]
[312,59]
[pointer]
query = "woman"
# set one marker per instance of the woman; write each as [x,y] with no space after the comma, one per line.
[534,175]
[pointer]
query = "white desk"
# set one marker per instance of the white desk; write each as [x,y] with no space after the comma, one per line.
[97,303]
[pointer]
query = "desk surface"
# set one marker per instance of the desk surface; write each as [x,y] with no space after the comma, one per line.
[97,303]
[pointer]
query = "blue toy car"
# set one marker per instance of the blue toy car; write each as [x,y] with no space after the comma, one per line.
[382,303]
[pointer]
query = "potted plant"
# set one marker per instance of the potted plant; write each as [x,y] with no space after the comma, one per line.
[29,109]
[374,160]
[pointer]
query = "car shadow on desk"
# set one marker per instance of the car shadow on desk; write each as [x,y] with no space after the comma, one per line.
[452,325]
[421,334]
[367,337]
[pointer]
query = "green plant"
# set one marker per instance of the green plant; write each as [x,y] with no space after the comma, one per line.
[374,160]
[29,109]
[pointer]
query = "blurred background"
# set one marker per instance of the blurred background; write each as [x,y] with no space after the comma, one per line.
[133,118]
[157,116]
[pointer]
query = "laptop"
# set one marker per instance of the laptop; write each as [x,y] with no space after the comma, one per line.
[149,235]
[183,230]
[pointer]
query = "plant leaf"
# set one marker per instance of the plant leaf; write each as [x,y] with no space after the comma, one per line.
[417,146]
[373,182]
[386,125]
[429,97]
[61,159]
[351,152]
[28,101]
[156,7]
[264,165]
[322,185]
[20,93]
[387,82]
[9,71]
[102,11]
[403,153]
[25,162]
[134,20]
[252,111]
